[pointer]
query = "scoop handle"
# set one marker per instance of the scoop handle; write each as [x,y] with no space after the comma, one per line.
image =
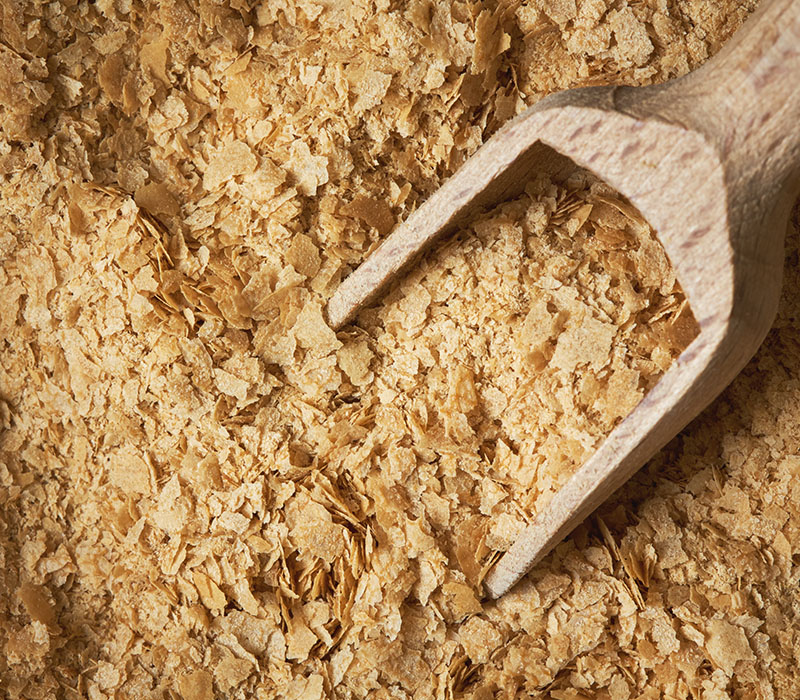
[746,99]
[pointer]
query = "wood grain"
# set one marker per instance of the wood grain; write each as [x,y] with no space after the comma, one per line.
[712,161]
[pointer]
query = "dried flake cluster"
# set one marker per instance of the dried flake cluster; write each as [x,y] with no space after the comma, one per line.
[207,493]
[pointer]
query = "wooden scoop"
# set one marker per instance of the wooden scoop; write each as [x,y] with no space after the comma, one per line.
[712,161]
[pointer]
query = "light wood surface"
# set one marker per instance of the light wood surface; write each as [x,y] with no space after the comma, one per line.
[712,161]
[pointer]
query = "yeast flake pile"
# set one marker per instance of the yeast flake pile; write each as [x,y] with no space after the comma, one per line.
[205,492]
